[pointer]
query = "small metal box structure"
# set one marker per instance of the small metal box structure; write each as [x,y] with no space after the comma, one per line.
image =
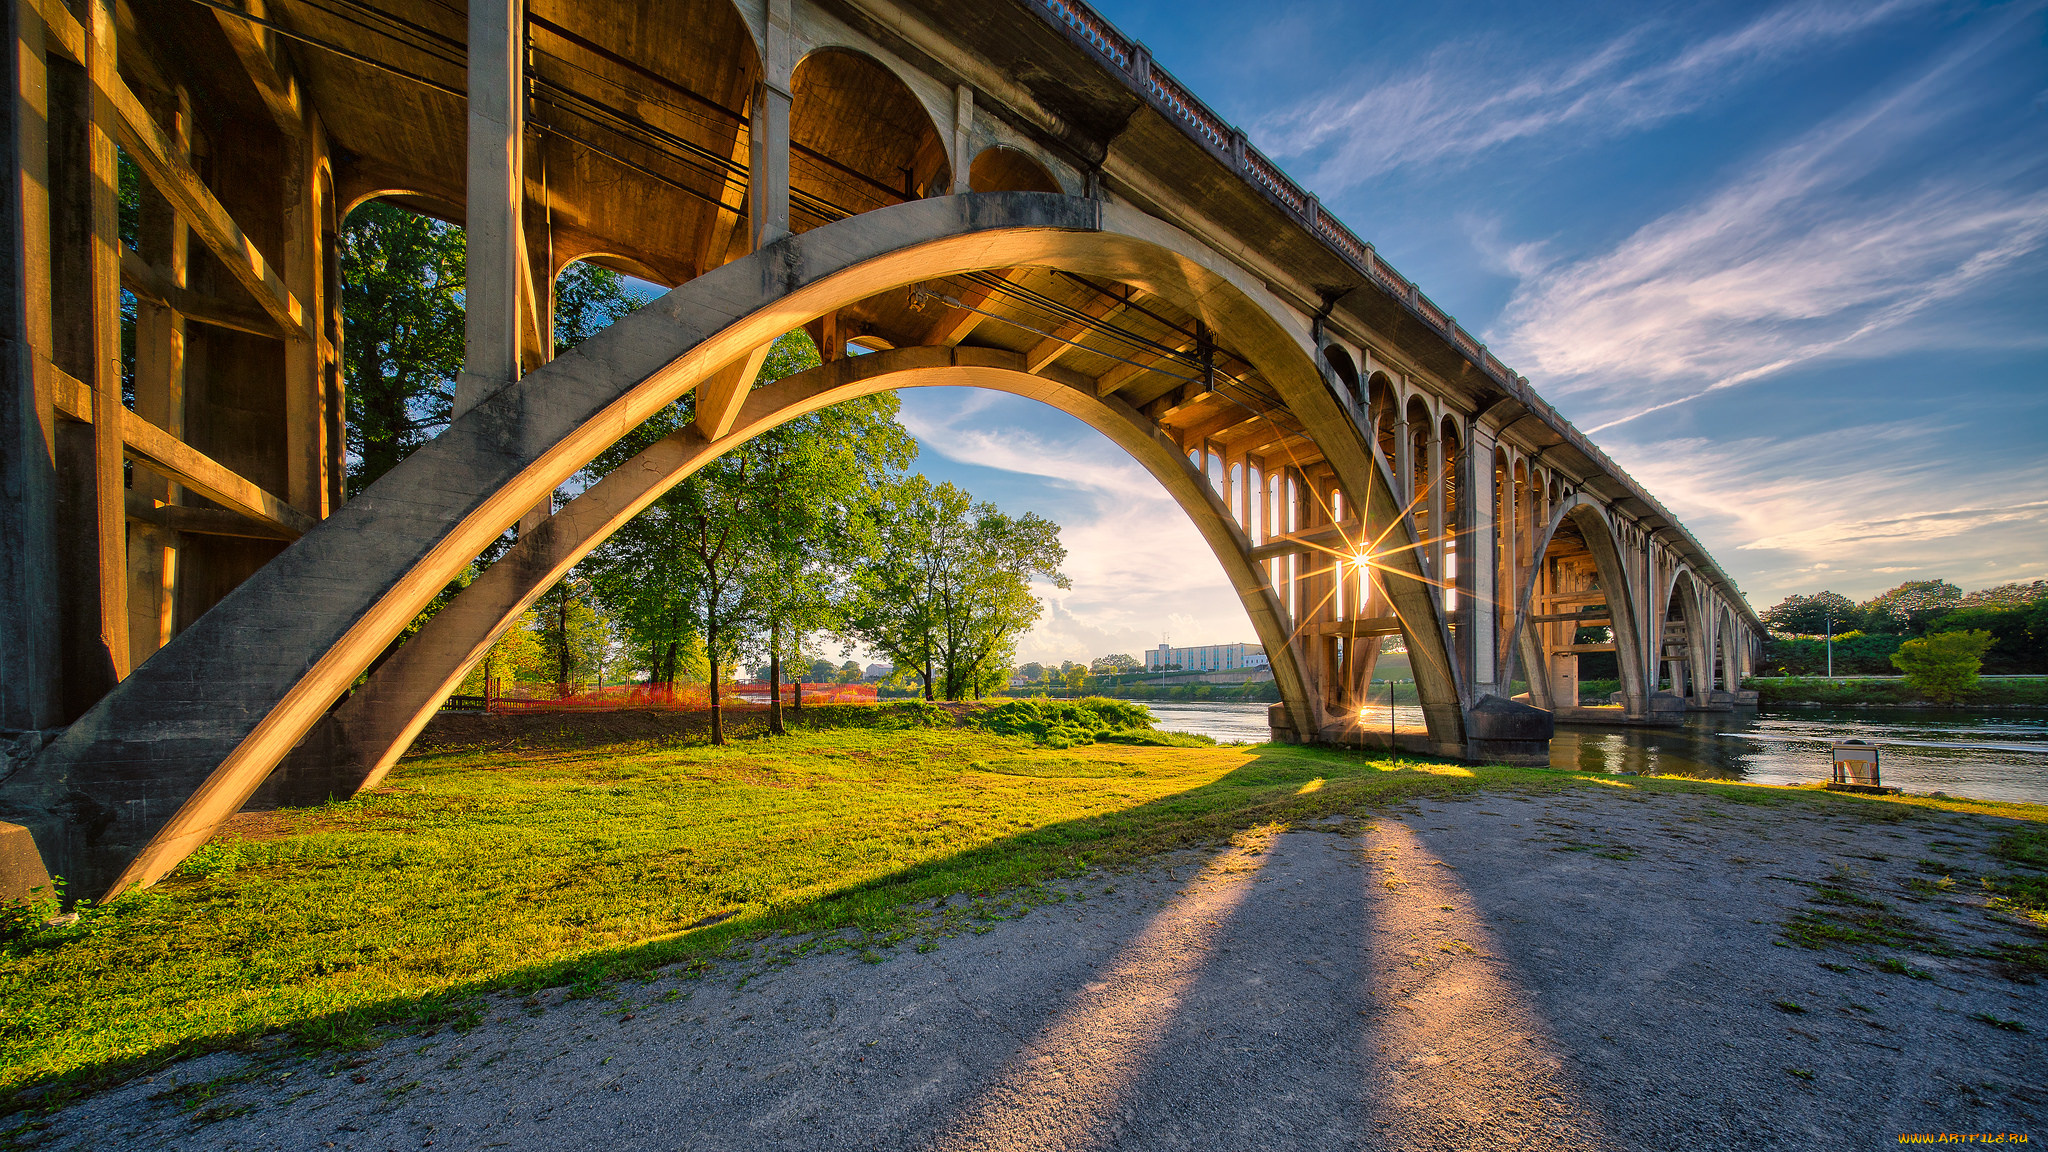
[1856,763]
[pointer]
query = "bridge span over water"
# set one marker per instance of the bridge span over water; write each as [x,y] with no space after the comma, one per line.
[1006,194]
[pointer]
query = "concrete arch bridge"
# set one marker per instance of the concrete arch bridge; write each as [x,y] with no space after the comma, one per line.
[1006,195]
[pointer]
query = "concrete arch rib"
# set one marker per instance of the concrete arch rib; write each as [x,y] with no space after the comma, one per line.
[155,766]
[354,746]
[1590,519]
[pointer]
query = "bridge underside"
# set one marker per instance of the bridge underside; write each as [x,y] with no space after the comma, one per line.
[190,592]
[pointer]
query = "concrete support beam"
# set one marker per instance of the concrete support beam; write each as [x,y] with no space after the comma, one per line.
[724,393]
[85,280]
[153,550]
[181,463]
[1479,562]
[31,657]
[493,220]
[963,127]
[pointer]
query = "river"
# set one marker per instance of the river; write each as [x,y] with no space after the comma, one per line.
[1997,757]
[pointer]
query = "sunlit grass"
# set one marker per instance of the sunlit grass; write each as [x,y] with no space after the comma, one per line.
[493,869]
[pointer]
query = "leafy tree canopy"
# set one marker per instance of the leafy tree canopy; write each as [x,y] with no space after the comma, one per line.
[1910,607]
[1943,666]
[1809,615]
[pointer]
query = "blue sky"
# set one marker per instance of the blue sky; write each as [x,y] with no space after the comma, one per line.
[1785,262]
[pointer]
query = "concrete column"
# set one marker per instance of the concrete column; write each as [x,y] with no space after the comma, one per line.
[1479,563]
[1437,528]
[768,132]
[31,662]
[492,223]
[160,399]
[963,126]
[305,430]
[1506,591]
[1404,460]
[85,291]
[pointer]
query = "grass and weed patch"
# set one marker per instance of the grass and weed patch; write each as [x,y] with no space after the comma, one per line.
[566,869]
[569,868]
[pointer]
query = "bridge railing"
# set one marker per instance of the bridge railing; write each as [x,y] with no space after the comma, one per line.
[1088,29]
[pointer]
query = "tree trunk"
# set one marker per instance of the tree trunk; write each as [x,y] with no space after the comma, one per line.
[717,714]
[562,653]
[928,678]
[775,680]
[796,699]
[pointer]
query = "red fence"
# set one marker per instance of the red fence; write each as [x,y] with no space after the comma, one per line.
[742,696]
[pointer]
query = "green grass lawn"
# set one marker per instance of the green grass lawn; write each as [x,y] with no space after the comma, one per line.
[474,870]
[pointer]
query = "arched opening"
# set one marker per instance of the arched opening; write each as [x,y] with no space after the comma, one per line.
[1419,427]
[1384,410]
[1347,375]
[1000,169]
[1682,645]
[859,140]
[1730,652]
[1575,619]
[368,732]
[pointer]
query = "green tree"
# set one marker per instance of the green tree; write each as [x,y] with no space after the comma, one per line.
[1910,607]
[573,634]
[1073,675]
[946,588]
[587,301]
[1942,666]
[849,673]
[745,548]
[1033,672]
[402,341]
[2019,634]
[1114,664]
[401,300]
[1809,615]
[986,602]
[2009,596]
[516,657]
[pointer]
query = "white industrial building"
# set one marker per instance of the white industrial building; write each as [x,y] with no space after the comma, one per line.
[1205,657]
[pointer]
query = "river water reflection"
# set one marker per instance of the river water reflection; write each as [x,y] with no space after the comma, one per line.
[1995,757]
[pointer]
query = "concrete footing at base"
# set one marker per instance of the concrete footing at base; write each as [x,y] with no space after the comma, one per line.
[1281,725]
[22,874]
[1497,731]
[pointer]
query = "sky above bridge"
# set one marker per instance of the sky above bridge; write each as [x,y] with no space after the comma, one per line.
[1783,261]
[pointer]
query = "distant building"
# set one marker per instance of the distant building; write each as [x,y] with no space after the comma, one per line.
[878,672]
[1206,657]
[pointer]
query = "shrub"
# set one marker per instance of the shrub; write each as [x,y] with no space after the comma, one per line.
[1944,665]
[1064,723]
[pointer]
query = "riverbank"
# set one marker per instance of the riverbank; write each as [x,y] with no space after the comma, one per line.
[1473,959]
[2030,693]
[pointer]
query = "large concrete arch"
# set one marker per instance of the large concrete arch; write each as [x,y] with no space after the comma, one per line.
[1590,518]
[355,745]
[1682,589]
[154,768]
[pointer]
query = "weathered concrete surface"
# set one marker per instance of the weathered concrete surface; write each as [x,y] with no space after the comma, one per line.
[22,874]
[1469,974]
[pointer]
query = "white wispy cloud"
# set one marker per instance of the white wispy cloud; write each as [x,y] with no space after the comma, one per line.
[1856,509]
[1467,99]
[1805,254]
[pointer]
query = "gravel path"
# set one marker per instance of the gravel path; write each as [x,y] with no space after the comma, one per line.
[1593,969]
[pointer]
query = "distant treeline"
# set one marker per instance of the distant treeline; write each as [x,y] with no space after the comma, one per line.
[1867,634]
